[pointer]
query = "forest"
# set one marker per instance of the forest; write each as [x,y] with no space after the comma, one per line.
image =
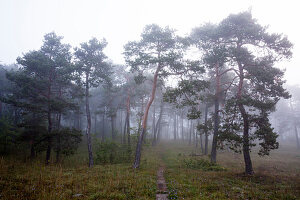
[203,116]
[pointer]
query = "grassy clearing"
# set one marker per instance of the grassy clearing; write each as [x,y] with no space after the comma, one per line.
[34,180]
[188,177]
[272,180]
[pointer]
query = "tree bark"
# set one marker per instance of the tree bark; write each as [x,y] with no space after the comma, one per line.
[137,159]
[49,138]
[175,126]
[58,139]
[153,127]
[213,157]
[196,136]
[246,148]
[88,117]
[124,130]
[190,132]
[128,116]
[182,128]
[206,130]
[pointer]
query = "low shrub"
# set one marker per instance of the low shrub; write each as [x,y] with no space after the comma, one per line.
[202,164]
[110,152]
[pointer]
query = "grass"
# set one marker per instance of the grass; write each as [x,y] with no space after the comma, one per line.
[188,177]
[272,180]
[34,180]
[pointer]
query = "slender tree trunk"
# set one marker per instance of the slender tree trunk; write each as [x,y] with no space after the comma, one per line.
[246,149]
[49,139]
[201,143]
[128,129]
[95,123]
[159,133]
[213,157]
[124,130]
[58,139]
[1,107]
[128,116]
[297,138]
[295,127]
[190,132]
[88,117]
[141,116]
[206,130]
[193,134]
[113,132]
[121,131]
[175,126]
[196,136]
[103,126]
[153,126]
[137,159]
[246,143]
[182,128]
[158,124]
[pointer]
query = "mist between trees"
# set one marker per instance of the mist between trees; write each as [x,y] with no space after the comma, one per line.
[217,88]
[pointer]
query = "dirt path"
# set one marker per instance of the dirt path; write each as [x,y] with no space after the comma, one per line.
[162,193]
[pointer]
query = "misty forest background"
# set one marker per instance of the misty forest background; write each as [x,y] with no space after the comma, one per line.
[221,89]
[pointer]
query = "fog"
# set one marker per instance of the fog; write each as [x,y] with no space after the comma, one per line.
[168,85]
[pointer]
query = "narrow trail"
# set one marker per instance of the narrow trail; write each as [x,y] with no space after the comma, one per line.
[162,193]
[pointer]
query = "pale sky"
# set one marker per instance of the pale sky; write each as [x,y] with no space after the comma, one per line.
[24,22]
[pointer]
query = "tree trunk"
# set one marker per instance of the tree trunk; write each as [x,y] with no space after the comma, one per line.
[213,157]
[182,128]
[206,130]
[190,132]
[153,126]
[175,126]
[295,127]
[121,130]
[58,139]
[88,117]
[297,138]
[95,123]
[137,159]
[124,130]
[0,109]
[193,134]
[141,117]
[49,138]
[158,124]
[201,143]
[128,128]
[246,148]
[128,117]
[113,132]
[103,126]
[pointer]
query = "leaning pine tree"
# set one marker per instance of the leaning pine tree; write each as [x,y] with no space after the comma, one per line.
[159,52]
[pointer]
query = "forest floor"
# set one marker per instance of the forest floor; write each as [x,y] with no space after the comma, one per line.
[187,175]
